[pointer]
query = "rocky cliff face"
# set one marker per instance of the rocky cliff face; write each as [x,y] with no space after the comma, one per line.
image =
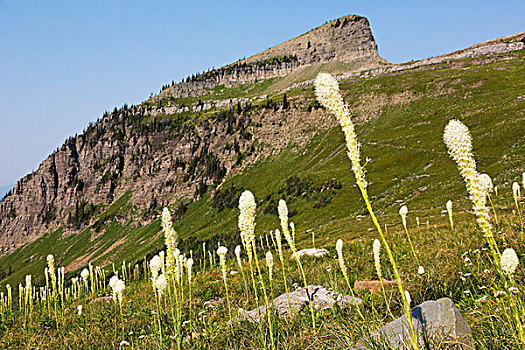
[160,159]
[346,39]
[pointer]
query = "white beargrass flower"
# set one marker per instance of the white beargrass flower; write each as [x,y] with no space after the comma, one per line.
[161,284]
[449,207]
[238,255]
[486,183]
[421,270]
[189,266]
[339,249]
[269,262]
[85,277]
[523,180]
[221,251]
[120,286]
[113,281]
[170,239]
[278,239]
[155,266]
[162,257]
[283,216]
[247,219]
[459,143]
[509,261]
[403,211]
[449,211]
[327,92]
[292,226]
[9,296]
[377,258]
[407,296]
[515,190]
[79,308]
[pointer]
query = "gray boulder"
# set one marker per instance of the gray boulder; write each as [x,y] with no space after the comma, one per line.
[322,299]
[439,324]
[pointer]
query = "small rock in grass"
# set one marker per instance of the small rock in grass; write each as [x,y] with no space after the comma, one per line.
[322,299]
[373,286]
[316,252]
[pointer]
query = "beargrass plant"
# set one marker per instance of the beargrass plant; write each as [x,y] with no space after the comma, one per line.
[517,195]
[239,262]
[458,140]
[278,240]
[51,269]
[376,247]
[269,263]
[403,212]
[450,215]
[328,95]
[189,267]
[246,224]
[155,266]
[342,266]
[221,252]
[283,216]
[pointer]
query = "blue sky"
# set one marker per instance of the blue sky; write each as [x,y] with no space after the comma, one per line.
[62,63]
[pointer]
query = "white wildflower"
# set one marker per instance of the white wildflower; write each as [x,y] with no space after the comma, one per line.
[515,190]
[377,258]
[327,92]
[509,261]
[459,143]
[161,284]
[408,298]
[247,219]
[155,266]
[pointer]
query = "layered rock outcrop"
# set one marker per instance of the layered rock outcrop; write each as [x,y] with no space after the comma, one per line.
[159,159]
[345,39]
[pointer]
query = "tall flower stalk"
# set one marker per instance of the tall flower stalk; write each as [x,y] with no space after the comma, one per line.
[269,263]
[459,143]
[450,216]
[169,265]
[222,260]
[342,265]
[403,211]
[189,267]
[283,216]
[51,270]
[247,228]
[327,92]
[516,194]
[155,265]
[377,262]
[239,262]
[278,239]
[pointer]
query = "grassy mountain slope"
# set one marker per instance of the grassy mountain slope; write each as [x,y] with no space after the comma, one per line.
[400,131]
